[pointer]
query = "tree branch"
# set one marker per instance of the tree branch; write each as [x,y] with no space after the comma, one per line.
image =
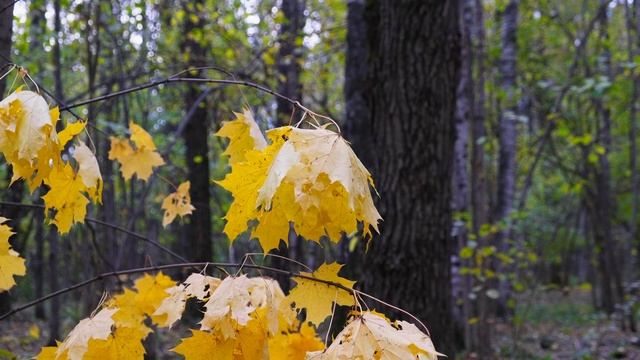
[115,227]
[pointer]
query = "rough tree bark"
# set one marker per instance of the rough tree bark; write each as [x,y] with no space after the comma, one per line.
[413,74]
[195,138]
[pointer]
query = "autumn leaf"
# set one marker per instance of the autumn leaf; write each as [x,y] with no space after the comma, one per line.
[294,345]
[171,308]
[235,300]
[139,161]
[243,182]
[317,297]
[203,344]
[96,327]
[89,171]
[371,336]
[177,203]
[123,343]
[308,177]
[11,264]
[65,198]
[24,116]
[244,134]
[201,286]
[47,353]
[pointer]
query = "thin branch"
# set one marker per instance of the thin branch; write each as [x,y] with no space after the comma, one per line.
[204,264]
[176,79]
[112,226]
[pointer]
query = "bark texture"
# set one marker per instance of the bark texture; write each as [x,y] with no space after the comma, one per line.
[413,60]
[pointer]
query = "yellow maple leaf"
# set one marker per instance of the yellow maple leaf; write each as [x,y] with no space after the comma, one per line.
[316,297]
[201,286]
[244,134]
[128,315]
[371,336]
[120,149]
[309,154]
[243,182]
[71,130]
[203,345]
[139,161]
[308,177]
[89,171]
[177,203]
[235,301]
[65,197]
[294,345]
[151,291]
[49,353]
[96,327]
[171,308]
[123,343]
[24,118]
[11,264]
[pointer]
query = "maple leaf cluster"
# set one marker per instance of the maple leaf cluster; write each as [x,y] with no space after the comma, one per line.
[32,146]
[244,318]
[310,178]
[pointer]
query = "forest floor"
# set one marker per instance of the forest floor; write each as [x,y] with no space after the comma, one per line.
[564,325]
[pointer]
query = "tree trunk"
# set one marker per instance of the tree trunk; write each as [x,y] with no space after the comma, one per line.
[479,335]
[290,57]
[355,80]
[6,28]
[602,200]
[413,74]
[195,137]
[460,179]
[508,135]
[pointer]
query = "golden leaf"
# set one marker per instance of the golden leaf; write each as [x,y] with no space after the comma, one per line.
[177,203]
[11,264]
[318,297]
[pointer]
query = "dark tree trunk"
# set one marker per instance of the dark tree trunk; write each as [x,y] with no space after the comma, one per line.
[290,57]
[414,53]
[6,24]
[477,340]
[6,29]
[355,78]
[54,313]
[195,137]
[602,204]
